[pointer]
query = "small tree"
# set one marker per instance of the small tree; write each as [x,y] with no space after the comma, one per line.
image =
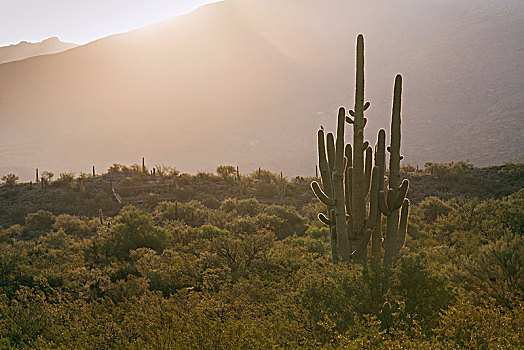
[226,171]
[47,176]
[10,179]
[41,221]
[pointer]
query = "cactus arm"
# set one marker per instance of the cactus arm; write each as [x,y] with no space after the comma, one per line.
[348,186]
[321,195]
[327,183]
[368,169]
[331,152]
[348,151]
[394,149]
[324,219]
[380,156]
[325,173]
[380,161]
[322,160]
[403,227]
[402,191]
[340,148]
[392,235]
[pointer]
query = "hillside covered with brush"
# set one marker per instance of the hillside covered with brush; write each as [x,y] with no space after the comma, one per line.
[233,261]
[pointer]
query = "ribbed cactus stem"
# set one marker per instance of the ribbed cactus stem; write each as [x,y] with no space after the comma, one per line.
[394,193]
[338,189]
[380,162]
[394,157]
[347,186]
[367,169]
[360,253]
[403,226]
[358,186]
[331,152]
[326,195]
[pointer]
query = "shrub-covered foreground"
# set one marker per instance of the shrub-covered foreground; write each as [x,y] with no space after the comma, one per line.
[243,274]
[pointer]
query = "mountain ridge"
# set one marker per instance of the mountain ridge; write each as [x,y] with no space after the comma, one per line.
[24,49]
[220,85]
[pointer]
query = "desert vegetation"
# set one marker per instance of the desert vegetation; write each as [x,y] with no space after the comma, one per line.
[232,264]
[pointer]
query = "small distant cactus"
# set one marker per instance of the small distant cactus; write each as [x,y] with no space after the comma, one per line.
[353,189]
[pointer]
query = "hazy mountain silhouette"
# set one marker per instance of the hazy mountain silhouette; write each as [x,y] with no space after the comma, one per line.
[248,82]
[25,49]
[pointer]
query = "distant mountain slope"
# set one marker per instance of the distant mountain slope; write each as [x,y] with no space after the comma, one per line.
[26,49]
[248,82]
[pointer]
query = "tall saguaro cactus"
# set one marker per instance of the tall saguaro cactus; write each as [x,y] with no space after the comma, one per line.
[353,189]
[395,198]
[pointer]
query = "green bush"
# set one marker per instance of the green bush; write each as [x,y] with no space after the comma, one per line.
[41,221]
[72,225]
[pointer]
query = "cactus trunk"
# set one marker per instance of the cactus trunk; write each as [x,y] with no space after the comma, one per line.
[338,189]
[396,193]
[380,161]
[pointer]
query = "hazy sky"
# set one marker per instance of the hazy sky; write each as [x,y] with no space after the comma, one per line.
[81,21]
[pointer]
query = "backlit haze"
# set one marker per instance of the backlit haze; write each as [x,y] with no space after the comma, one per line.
[249,82]
[81,21]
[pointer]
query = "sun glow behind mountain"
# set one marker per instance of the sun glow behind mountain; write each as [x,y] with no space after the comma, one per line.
[248,82]
[83,21]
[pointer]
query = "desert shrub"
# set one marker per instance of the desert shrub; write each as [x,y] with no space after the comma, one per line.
[246,225]
[167,272]
[497,272]
[210,232]
[211,203]
[72,225]
[318,232]
[266,190]
[243,207]
[263,175]
[47,176]
[423,292]
[226,171]
[64,179]
[292,222]
[466,325]
[10,179]
[131,229]
[241,252]
[164,170]
[192,213]
[432,207]
[41,221]
[449,171]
